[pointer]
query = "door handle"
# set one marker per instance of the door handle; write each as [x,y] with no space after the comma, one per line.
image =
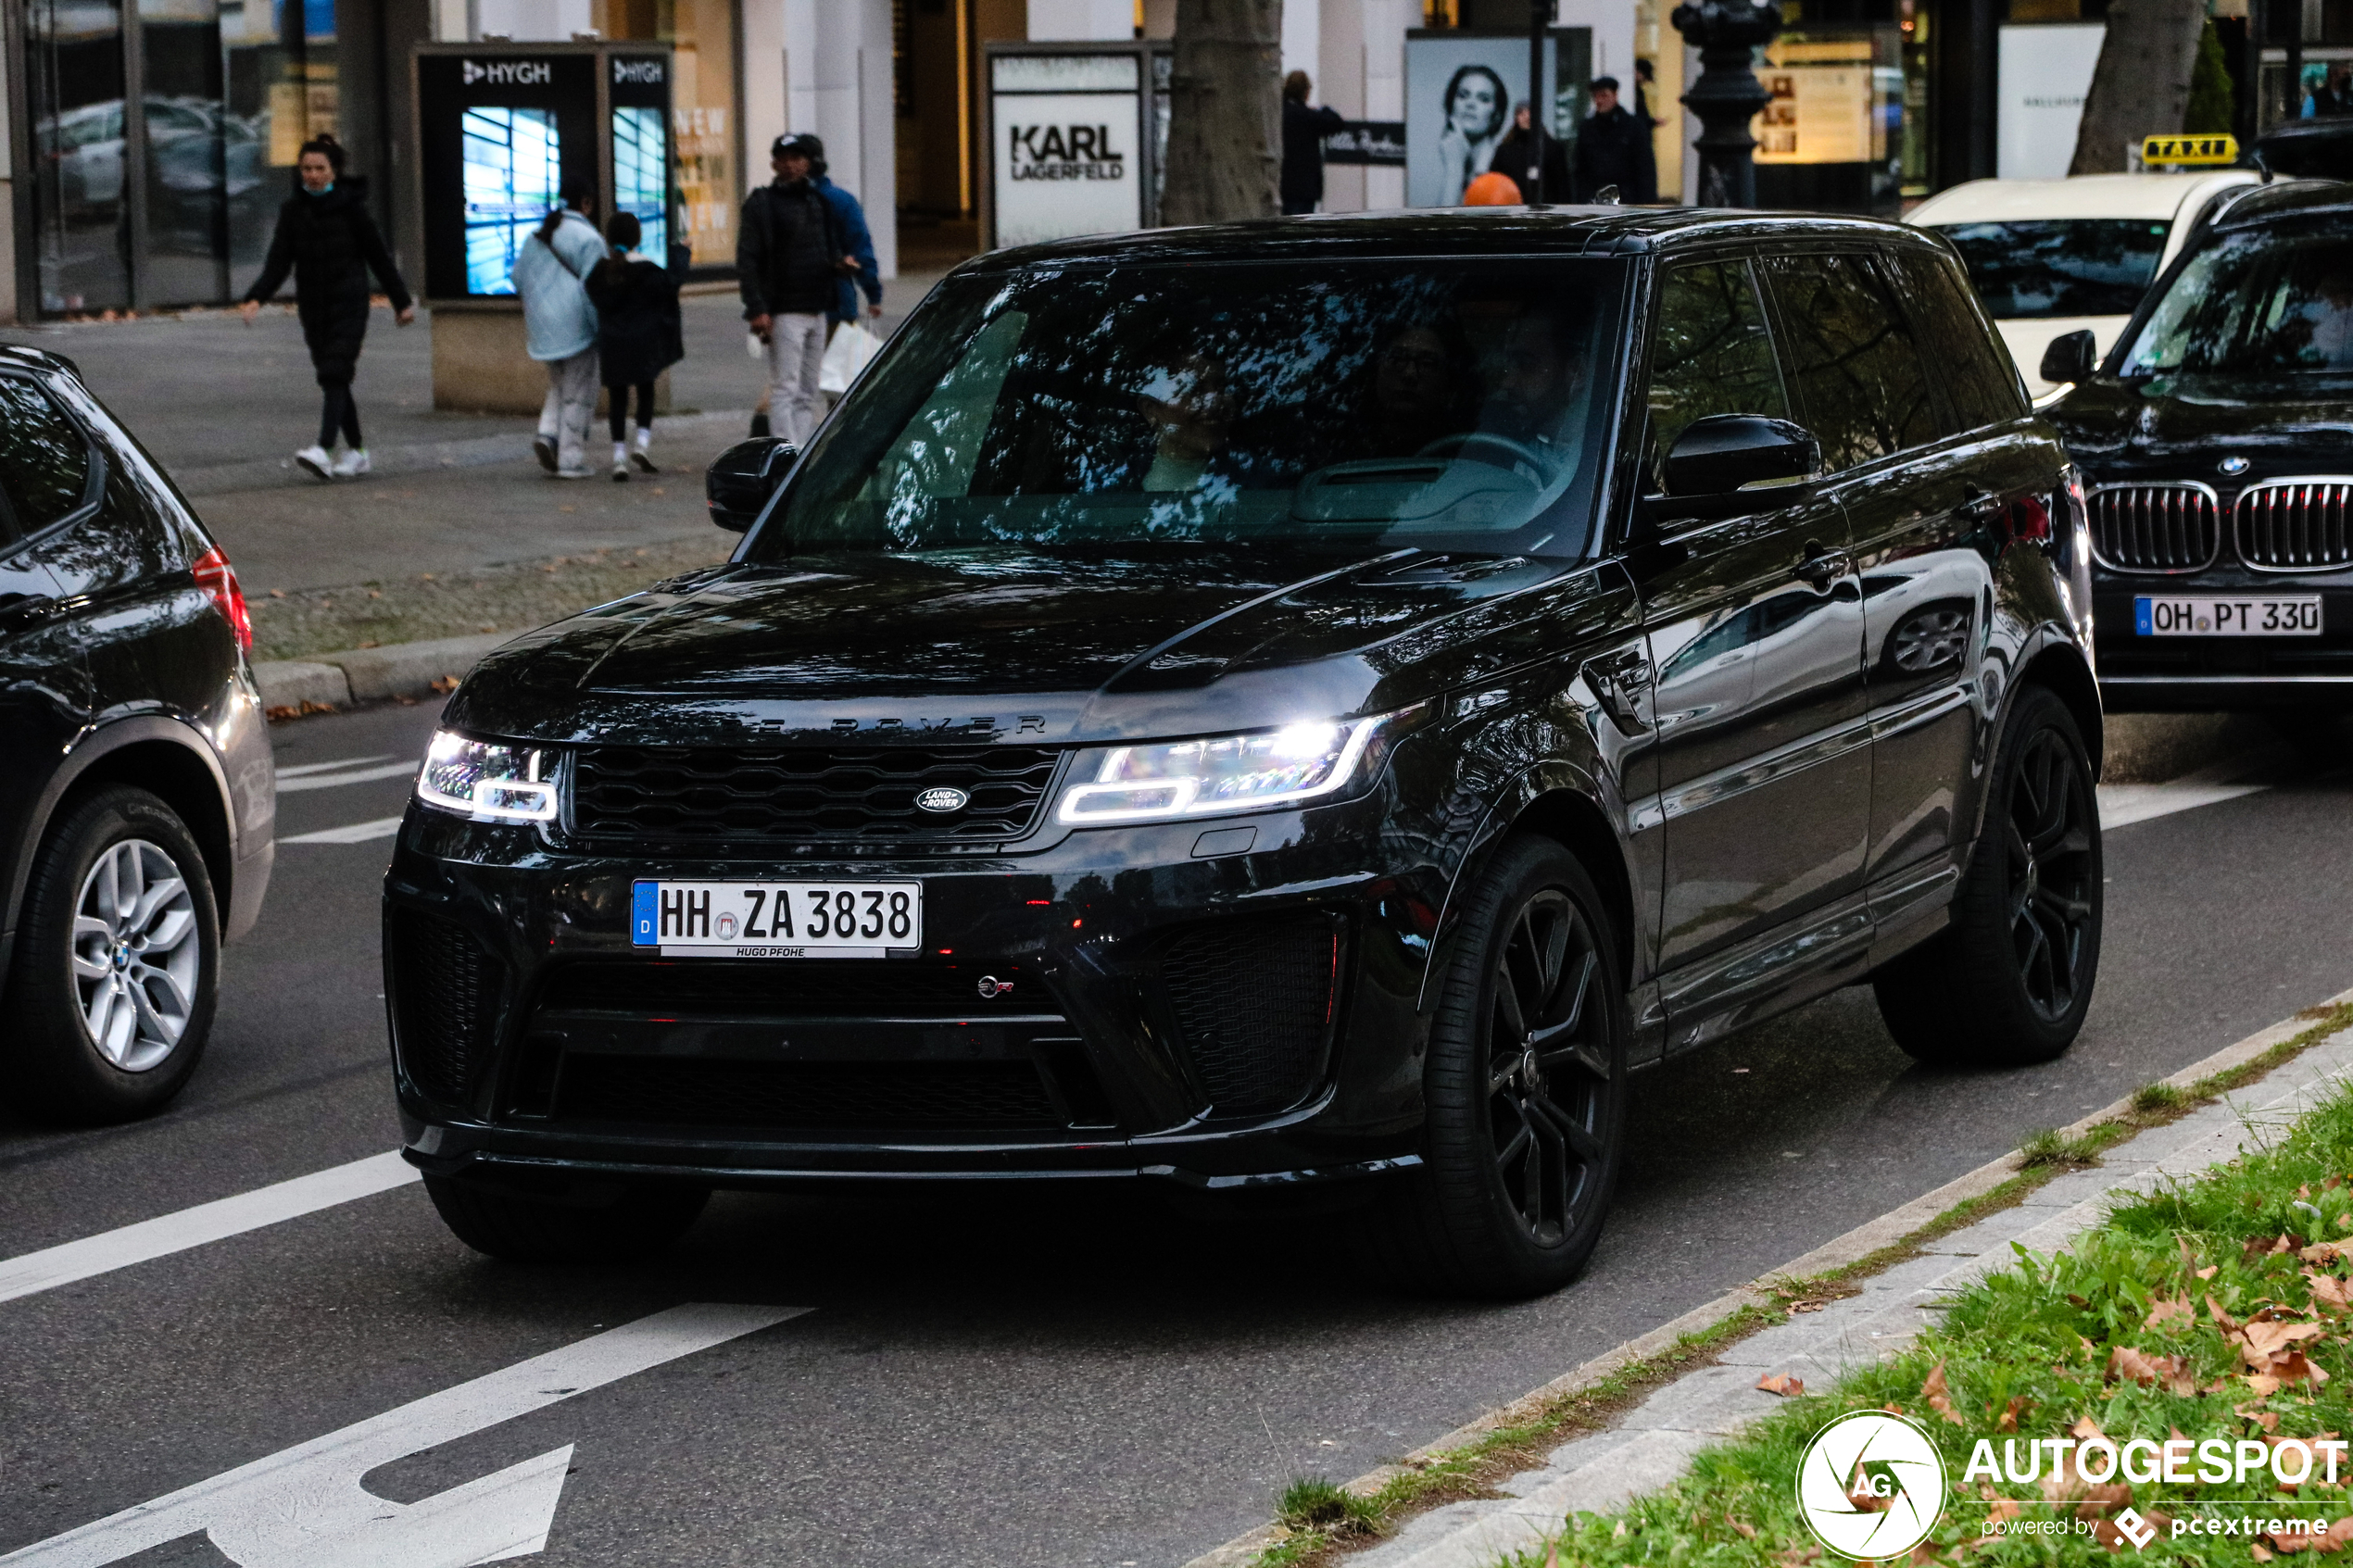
[1820,564]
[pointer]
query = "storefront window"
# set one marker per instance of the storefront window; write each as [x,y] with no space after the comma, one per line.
[1833,136]
[704,126]
[73,70]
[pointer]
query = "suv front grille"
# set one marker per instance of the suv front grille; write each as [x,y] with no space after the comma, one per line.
[1253,1002]
[2295,525]
[865,793]
[685,1092]
[2157,528]
[444,1004]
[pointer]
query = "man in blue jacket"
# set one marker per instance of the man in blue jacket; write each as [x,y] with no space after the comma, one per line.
[859,240]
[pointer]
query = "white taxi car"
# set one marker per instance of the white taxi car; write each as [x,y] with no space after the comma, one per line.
[2053,256]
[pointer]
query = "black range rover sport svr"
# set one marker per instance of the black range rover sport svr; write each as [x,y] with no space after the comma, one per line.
[1284,704]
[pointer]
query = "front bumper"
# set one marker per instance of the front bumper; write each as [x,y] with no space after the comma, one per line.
[2190,674]
[1218,1018]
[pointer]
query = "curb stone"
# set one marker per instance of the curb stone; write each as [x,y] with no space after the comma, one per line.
[337,679]
[1597,1471]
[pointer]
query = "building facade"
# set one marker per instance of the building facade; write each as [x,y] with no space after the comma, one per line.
[149,143]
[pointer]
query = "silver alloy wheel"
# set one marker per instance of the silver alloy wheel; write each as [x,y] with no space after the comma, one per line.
[136,955]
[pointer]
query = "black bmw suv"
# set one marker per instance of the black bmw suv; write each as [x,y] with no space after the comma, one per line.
[1286,704]
[2218,444]
[137,795]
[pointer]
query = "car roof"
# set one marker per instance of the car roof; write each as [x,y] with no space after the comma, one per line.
[1454,230]
[2152,196]
[2284,199]
[24,359]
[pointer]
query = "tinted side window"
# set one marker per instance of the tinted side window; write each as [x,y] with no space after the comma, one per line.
[1714,353]
[44,458]
[1860,382]
[1981,387]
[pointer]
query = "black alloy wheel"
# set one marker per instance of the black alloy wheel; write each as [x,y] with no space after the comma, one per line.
[2047,834]
[1548,1082]
[2008,983]
[1525,1085]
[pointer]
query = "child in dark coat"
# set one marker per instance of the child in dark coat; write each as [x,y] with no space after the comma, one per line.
[638,336]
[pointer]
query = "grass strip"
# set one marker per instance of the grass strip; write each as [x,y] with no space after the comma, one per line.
[1316,1529]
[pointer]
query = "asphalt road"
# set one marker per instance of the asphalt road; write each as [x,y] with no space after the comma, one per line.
[998,1378]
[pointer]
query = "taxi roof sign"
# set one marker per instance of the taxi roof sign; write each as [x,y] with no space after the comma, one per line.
[2190,149]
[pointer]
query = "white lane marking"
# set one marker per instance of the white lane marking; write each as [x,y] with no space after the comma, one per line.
[328,781]
[358,833]
[306,768]
[32,1272]
[304,1507]
[2122,805]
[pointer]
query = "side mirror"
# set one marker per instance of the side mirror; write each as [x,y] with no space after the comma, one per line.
[740,480]
[1718,464]
[2069,356]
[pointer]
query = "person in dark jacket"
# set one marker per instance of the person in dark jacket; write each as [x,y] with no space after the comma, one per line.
[1512,157]
[1613,148]
[639,335]
[790,257]
[1303,132]
[326,239]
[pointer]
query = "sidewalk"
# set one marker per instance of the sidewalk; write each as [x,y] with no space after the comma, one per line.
[223,406]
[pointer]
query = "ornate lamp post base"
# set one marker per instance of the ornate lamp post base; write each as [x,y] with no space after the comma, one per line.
[1727,96]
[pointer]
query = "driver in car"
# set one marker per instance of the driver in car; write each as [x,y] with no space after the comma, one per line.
[1419,392]
[1533,376]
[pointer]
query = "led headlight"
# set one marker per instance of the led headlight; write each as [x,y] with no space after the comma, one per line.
[486,781]
[1244,772]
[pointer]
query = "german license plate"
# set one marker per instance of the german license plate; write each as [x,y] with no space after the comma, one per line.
[777,919]
[2158,616]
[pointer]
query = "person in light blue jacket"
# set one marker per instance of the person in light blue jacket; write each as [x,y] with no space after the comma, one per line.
[560,327]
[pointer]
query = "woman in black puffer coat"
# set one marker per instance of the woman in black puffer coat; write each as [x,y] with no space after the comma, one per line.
[326,239]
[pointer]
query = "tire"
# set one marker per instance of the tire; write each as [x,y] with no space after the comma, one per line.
[2008,983]
[110,995]
[588,1222]
[1523,1135]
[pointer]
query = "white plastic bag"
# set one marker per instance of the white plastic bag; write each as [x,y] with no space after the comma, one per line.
[847,355]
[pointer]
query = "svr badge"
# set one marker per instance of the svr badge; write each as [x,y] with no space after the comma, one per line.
[1871,1485]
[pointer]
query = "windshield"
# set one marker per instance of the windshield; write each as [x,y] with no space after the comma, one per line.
[1433,404]
[2256,302]
[2061,266]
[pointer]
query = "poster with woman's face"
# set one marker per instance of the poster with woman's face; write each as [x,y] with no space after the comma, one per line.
[1460,88]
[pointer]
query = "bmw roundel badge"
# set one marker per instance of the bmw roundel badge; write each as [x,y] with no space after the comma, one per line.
[2232,466]
[942,799]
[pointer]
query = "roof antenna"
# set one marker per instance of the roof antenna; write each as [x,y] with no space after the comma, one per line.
[1606,197]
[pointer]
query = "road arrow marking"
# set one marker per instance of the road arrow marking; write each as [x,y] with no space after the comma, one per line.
[304,1507]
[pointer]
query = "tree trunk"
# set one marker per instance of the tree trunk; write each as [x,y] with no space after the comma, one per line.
[2142,84]
[1225,112]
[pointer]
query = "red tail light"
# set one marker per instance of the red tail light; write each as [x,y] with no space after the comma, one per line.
[2030,520]
[217,577]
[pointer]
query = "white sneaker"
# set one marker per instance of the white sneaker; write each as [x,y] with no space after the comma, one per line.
[575,474]
[315,461]
[352,464]
[639,455]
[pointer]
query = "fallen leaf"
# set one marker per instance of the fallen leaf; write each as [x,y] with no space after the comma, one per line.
[2209,1270]
[2080,1302]
[2099,1501]
[1789,1557]
[2264,1382]
[2170,1372]
[2167,1308]
[2329,1290]
[1781,1383]
[1742,1525]
[1939,1396]
[2268,1337]
[2002,1508]
[2083,1431]
[2324,1252]
[2222,1320]
[2256,1552]
[2008,1422]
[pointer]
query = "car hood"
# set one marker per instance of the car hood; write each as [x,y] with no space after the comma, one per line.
[2181,427]
[995,644]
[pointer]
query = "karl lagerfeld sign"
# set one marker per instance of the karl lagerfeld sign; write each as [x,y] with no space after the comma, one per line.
[1066,154]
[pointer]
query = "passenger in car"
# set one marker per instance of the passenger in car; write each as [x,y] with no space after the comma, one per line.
[1190,408]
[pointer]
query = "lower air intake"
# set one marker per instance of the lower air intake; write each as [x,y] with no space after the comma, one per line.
[444,1004]
[1253,1002]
